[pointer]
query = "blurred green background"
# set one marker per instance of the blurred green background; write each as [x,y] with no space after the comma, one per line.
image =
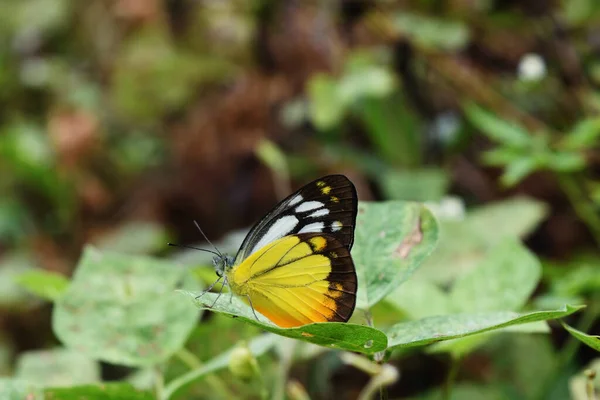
[123,121]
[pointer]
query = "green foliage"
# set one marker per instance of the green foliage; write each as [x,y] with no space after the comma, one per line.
[339,335]
[391,240]
[47,285]
[435,329]
[105,310]
[523,152]
[119,121]
[591,340]
[432,33]
[106,391]
[57,368]
[13,389]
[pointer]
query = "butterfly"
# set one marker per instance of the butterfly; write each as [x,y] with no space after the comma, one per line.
[294,266]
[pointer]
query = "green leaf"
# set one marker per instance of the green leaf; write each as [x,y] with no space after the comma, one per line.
[503,281]
[414,185]
[460,347]
[45,284]
[585,134]
[392,238]
[502,156]
[463,244]
[326,109]
[124,309]
[518,170]
[507,133]
[591,340]
[392,128]
[468,391]
[273,157]
[439,328]
[367,81]
[106,391]
[258,346]
[515,217]
[11,294]
[57,368]
[420,299]
[432,33]
[135,237]
[566,162]
[338,335]
[14,389]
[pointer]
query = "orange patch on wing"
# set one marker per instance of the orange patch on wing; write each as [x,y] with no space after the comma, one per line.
[318,242]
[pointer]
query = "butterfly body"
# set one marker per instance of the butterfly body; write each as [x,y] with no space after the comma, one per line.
[294,266]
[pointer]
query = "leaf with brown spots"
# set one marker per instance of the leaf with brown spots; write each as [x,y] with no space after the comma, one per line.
[392,239]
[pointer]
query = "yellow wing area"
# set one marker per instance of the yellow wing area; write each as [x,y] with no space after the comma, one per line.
[298,280]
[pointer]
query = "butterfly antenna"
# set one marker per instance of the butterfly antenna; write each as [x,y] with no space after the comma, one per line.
[194,248]
[209,242]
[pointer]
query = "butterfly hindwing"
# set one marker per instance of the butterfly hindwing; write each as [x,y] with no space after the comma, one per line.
[326,205]
[299,279]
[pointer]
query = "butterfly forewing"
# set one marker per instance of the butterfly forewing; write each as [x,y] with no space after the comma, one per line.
[299,279]
[326,205]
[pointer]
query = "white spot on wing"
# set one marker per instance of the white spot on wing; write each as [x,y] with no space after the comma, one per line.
[336,226]
[280,228]
[314,227]
[297,199]
[309,205]
[319,213]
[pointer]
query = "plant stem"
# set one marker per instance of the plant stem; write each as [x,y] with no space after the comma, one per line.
[383,393]
[159,382]
[583,206]
[286,353]
[217,385]
[451,378]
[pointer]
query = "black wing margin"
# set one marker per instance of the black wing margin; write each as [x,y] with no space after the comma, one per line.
[326,205]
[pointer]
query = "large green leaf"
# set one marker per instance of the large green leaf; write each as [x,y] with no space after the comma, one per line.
[503,281]
[57,368]
[343,336]
[392,239]
[464,244]
[591,340]
[106,391]
[439,328]
[420,298]
[124,309]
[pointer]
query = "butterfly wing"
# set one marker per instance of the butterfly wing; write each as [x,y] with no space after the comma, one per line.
[326,205]
[299,279]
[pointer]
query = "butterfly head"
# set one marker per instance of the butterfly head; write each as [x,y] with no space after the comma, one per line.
[222,263]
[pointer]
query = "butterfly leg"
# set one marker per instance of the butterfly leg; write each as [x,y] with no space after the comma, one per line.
[209,288]
[220,293]
[252,307]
